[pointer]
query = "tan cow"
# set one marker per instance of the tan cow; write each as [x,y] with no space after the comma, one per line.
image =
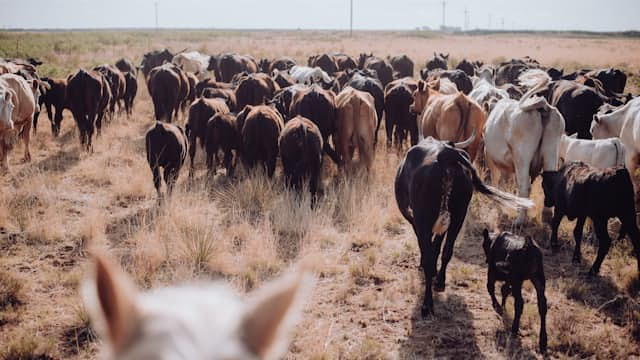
[355,126]
[448,117]
[18,101]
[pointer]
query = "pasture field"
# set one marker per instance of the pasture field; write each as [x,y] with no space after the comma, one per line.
[246,231]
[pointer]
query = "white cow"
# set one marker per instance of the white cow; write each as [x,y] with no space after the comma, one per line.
[522,137]
[602,153]
[625,124]
[447,87]
[193,62]
[484,90]
[190,322]
[308,75]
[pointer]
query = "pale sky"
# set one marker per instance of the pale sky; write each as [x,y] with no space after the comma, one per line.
[593,15]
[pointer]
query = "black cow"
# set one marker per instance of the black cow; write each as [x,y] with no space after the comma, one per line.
[168,87]
[514,259]
[222,135]
[166,146]
[131,90]
[398,98]
[402,66]
[467,67]
[117,83]
[613,80]
[433,187]
[284,98]
[200,112]
[578,191]
[55,101]
[153,59]
[383,71]
[439,61]
[458,77]
[318,105]
[301,154]
[84,99]
[126,66]
[260,128]
[577,104]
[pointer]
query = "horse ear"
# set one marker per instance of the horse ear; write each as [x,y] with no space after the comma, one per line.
[110,298]
[273,314]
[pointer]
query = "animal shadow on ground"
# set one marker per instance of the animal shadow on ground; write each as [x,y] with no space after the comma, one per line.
[130,223]
[60,161]
[508,345]
[449,334]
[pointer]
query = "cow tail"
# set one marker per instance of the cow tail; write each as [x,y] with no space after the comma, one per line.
[465,110]
[444,217]
[499,196]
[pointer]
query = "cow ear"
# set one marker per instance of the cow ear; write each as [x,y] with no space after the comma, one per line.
[273,313]
[421,85]
[485,107]
[110,298]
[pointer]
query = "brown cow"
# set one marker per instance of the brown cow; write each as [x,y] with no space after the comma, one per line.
[199,114]
[167,91]
[356,121]
[55,99]
[260,129]
[255,89]
[448,117]
[17,106]
[222,134]
[228,95]
[117,83]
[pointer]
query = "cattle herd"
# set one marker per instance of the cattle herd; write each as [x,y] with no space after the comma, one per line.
[578,130]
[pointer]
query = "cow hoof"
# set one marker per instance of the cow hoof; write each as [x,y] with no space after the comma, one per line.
[426,312]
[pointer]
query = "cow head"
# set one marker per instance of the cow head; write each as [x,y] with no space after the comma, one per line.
[421,95]
[600,129]
[6,110]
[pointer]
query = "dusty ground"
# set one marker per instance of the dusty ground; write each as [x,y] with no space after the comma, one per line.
[366,302]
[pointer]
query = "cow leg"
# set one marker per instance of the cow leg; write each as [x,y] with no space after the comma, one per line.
[516,288]
[437,245]
[491,288]
[524,187]
[211,164]
[57,121]
[388,126]
[604,242]
[192,154]
[170,177]
[504,291]
[157,179]
[452,234]
[555,223]
[634,235]
[427,261]
[332,153]
[494,172]
[228,162]
[539,284]
[577,234]
[366,152]
[314,182]
[26,137]
[270,162]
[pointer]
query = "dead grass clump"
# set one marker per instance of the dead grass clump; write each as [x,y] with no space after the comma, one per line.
[631,283]
[27,346]
[80,335]
[91,230]
[11,290]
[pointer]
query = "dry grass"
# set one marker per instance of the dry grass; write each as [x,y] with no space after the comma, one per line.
[244,232]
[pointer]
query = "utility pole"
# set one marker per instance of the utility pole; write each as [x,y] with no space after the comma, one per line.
[156,6]
[466,19]
[502,24]
[351,20]
[489,27]
[444,5]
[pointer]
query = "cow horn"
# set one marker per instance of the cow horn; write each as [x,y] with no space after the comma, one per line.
[466,143]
